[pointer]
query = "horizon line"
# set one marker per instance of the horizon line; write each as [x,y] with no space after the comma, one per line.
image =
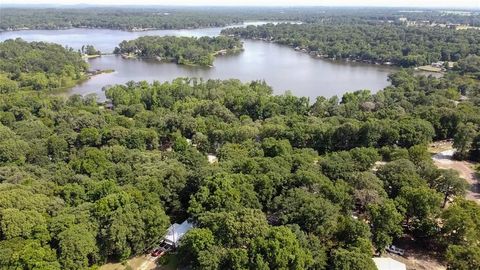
[242,6]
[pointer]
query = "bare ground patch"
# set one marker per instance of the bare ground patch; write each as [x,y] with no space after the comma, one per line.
[143,262]
[417,256]
[444,159]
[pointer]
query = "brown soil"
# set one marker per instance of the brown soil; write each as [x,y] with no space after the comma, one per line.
[416,256]
[143,262]
[418,261]
[444,160]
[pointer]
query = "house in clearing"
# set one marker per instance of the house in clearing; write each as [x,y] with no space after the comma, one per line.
[176,232]
[172,239]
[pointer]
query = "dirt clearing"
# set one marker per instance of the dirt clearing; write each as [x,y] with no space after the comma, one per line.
[145,262]
[444,160]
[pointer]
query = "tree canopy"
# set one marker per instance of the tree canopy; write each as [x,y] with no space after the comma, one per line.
[38,66]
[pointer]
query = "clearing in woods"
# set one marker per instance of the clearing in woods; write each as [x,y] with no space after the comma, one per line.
[443,158]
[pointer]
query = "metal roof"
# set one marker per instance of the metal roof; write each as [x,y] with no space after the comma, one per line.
[388,264]
[177,231]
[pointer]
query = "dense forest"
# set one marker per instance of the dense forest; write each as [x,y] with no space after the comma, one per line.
[38,66]
[297,185]
[141,18]
[112,18]
[181,50]
[401,45]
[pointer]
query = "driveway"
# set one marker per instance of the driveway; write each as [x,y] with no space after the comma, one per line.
[444,160]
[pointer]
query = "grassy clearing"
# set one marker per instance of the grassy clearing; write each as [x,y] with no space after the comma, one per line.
[168,262]
[430,69]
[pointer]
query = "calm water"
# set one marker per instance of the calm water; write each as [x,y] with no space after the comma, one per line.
[281,67]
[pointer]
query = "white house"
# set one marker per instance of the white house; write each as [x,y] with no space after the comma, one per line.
[388,264]
[176,232]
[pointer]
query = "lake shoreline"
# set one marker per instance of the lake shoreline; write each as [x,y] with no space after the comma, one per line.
[107,28]
[316,55]
[146,29]
[278,65]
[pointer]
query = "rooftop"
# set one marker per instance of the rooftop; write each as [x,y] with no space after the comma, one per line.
[388,264]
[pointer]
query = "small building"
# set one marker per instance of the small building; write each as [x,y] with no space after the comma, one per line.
[176,232]
[439,64]
[388,264]
[172,239]
[453,25]
[221,52]
[108,105]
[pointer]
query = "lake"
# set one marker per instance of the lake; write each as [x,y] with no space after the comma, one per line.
[281,67]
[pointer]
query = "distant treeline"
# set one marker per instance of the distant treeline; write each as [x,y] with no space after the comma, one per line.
[402,45]
[124,19]
[140,18]
[181,50]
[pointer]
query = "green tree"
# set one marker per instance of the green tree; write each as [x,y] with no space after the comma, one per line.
[57,148]
[13,151]
[89,137]
[194,242]
[26,224]
[463,139]
[235,228]
[27,254]
[78,247]
[343,259]
[385,222]
[419,204]
[279,249]
[399,174]
[7,85]
[461,223]
[449,183]
[223,192]
[310,211]
[90,50]
[272,147]
[463,257]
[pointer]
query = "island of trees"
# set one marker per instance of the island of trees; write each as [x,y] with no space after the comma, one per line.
[181,50]
[382,43]
[297,185]
[89,51]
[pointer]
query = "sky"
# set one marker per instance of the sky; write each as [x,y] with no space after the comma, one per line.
[386,3]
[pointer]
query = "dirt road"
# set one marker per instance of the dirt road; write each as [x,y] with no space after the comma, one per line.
[444,160]
[143,262]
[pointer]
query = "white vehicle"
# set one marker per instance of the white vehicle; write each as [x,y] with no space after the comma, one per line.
[395,250]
